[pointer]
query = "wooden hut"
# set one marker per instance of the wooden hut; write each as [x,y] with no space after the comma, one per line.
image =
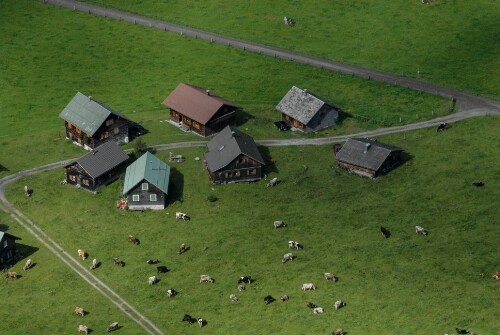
[8,250]
[233,157]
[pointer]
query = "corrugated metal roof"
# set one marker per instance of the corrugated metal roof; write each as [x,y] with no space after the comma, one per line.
[195,103]
[147,167]
[225,147]
[2,234]
[365,153]
[102,159]
[300,104]
[87,113]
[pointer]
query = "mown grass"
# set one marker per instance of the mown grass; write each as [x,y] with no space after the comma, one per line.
[132,69]
[405,284]
[450,42]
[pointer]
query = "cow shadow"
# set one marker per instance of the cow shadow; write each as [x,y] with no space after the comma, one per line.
[270,166]
[176,187]
[242,117]
[185,250]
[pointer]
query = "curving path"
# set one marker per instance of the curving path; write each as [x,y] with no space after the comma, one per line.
[470,106]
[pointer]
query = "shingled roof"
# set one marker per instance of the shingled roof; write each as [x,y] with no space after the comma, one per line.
[300,104]
[229,144]
[366,153]
[195,102]
[150,168]
[86,113]
[102,159]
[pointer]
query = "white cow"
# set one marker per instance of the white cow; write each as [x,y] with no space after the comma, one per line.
[330,276]
[181,216]
[152,280]
[287,257]
[420,230]
[279,224]
[318,310]
[206,278]
[233,297]
[83,329]
[94,264]
[308,287]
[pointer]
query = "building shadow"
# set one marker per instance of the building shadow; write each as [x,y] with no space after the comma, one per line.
[176,187]
[25,251]
[270,166]
[3,168]
[242,117]
[3,227]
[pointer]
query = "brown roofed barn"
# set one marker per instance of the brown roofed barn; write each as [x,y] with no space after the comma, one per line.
[199,110]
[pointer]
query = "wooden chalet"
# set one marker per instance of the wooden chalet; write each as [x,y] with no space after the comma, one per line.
[90,123]
[146,183]
[99,167]
[8,251]
[199,110]
[368,157]
[307,112]
[233,157]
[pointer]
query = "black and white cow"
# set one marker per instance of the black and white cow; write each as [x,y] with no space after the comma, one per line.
[152,261]
[295,245]
[420,230]
[442,126]
[386,233]
[268,299]
[162,269]
[245,279]
[338,304]
[171,292]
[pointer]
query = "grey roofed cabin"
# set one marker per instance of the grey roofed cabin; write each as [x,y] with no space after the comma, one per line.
[306,111]
[98,167]
[368,157]
[8,251]
[232,157]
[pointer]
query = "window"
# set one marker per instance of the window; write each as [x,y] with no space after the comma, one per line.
[144,186]
[5,244]
[72,178]
[152,197]
[117,131]
[135,197]
[252,172]
[196,125]
[85,182]
[110,122]
[237,173]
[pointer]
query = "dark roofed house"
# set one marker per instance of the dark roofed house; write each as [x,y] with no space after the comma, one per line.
[98,167]
[233,157]
[368,157]
[8,251]
[199,110]
[90,123]
[146,183]
[306,111]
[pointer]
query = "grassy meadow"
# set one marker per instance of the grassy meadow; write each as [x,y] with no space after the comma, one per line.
[133,69]
[451,42]
[407,283]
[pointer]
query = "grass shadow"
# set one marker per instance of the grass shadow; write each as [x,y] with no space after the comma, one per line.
[176,187]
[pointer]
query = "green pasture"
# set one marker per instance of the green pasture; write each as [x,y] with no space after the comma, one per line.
[450,42]
[406,284]
[47,54]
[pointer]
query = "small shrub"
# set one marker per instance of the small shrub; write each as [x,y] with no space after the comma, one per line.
[212,198]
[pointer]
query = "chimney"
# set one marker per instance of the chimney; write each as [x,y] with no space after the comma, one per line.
[367,147]
[208,92]
[233,133]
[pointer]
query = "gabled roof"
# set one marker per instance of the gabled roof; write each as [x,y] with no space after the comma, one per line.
[2,234]
[195,102]
[366,153]
[102,159]
[300,104]
[147,167]
[87,113]
[229,144]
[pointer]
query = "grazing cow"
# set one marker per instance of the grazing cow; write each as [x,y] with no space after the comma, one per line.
[245,279]
[311,305]
[338,331]
[241,287]
[82,254]
[94,265]
[496,275]
[462,331]
[385,232]
[117,261]
[201,322]
[182,216]
[268,299]
[287,257]
[442,126]
[182,249]
[133,239]
[28,264]
[11,275]
[478,183]
[79,311]
[273,182]
[330,276]
[162,269]
[284,298]
[308,287]
[206,278]
[83,329]
[188,318]
[171,292]
[338,304]
[113,326]
[279,224]
[295,245]
[420,230]
[233,297]
[152,280]
[152,261]
[318,310]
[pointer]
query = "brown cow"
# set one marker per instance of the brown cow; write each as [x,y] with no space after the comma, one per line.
[496,275]
[338,331]
[12,275]
[82,254]
[79,311]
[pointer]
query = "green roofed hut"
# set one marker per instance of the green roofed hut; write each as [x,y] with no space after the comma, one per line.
[146,183]
[90,123]
[233,157]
